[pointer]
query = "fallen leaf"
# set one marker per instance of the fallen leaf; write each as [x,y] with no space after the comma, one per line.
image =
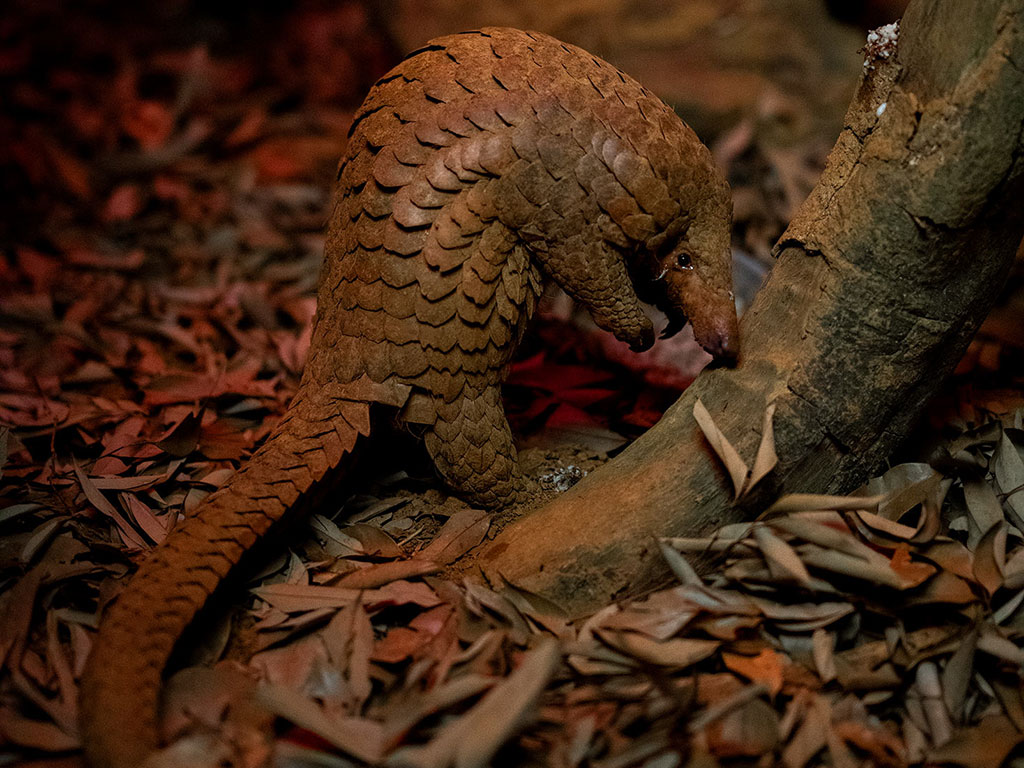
[990,558]
[735,466]
[460,533]
[984,507]
[783,561]
[1008,468]
[765,668]
[379,574]
[806,502]
[766,458]
[472,740]
[750,730]
[980,746]
[361,738]
[676,653]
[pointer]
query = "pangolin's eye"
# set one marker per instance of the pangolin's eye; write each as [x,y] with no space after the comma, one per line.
[684,261]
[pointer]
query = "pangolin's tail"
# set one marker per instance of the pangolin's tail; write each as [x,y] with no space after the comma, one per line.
[121,684]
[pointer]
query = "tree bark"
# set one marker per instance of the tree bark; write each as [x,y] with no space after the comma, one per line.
[881,281]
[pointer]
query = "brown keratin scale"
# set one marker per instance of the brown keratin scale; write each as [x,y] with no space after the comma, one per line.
[481,165]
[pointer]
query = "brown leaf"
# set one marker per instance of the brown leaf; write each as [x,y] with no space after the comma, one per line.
[904,486]
[957,674]
[98,500]
[749,730]
[808,502]
[123,203]
[460,533]
[980,746]
[373,540]
[812,735]
[399,644]
[401,719]
[990,558]
[379,574]
[735,466]
[783,561]
[984,508]
[992,641]
[155,527]
[73,173]
[676,653]
[361,738]
[349,642]
[766,458]
[765,668]
[680,565]
[472,740]
[823,645]
[302,597]
[803,617]
[1008,468]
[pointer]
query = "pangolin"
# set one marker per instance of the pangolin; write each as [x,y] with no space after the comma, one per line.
[483,163]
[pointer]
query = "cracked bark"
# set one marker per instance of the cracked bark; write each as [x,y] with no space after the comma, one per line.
[882,279]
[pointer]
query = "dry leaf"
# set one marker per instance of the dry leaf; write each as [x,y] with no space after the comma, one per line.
[676,653]
[460,533]
[379,574]
[361,738]
[812,735]
[984,507]
[735,466]
[809,502]
[1008,468]
[783,561]
[981,746]
[472,740]
[766,458]
[990,558]
[679,565]
[765,668]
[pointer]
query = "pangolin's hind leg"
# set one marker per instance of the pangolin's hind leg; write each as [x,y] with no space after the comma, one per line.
[471,445]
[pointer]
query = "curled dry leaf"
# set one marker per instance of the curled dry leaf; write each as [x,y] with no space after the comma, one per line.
[734,465]
[766,458]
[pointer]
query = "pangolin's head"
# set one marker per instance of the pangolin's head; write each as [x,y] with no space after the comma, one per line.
[686,270]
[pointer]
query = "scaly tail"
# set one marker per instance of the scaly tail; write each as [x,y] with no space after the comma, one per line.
[121,683]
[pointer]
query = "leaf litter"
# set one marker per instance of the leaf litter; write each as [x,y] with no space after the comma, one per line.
[155,311]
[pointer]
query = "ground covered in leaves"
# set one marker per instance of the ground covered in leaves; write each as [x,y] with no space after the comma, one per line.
[156,289]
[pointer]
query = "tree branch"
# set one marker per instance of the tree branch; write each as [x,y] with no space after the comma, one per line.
[882,279]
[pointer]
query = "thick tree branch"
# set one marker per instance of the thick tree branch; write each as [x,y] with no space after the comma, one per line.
[882,278]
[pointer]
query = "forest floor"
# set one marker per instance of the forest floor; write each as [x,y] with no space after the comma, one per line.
[168,179]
